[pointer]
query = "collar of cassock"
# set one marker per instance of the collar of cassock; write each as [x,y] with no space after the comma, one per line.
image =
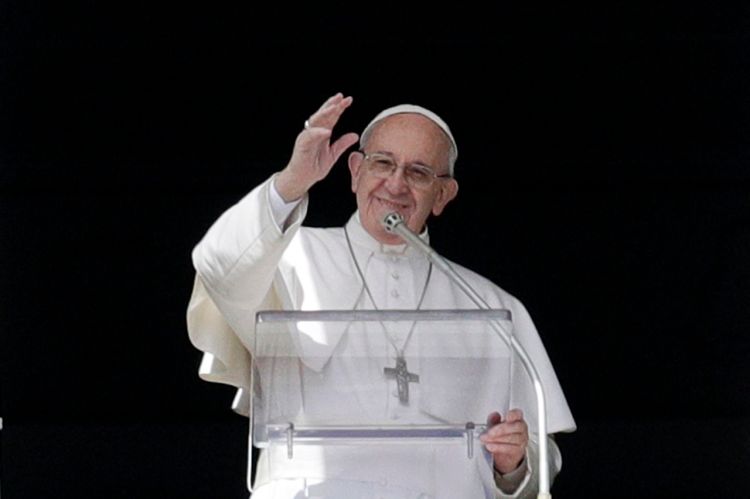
[361,237]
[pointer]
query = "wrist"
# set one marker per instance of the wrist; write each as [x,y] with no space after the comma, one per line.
[288,186]
[506,469]
[511,481]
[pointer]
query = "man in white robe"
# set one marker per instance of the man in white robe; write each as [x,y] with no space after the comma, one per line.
[257,256]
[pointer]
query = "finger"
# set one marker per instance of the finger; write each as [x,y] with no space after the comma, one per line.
[342,144]
[332,100]
[504,432]
[312,139]
[494,419]
[312,121]
[514,415]
[510,438]
[505,448]
[328,115]
[506,428]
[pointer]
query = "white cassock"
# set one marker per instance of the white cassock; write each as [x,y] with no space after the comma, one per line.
[247,263]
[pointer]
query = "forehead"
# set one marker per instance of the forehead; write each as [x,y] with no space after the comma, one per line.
[411,136]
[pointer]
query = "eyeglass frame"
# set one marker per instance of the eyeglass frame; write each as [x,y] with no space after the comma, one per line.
[433,176]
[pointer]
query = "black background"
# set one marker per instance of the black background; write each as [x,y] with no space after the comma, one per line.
[603,166]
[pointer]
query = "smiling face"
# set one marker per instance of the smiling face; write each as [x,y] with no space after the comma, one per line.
[407,138]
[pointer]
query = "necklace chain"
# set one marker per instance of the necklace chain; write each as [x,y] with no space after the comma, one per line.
[366,288]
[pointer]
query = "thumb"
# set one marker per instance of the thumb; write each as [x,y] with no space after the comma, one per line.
[342,144]
[494,418]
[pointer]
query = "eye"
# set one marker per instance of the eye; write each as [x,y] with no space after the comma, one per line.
[383,163]
[418,172]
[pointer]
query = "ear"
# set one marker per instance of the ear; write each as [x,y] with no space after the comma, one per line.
[448,191]
[355,165]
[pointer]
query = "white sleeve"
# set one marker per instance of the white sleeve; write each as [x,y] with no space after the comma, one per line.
[523,483]
[236,262]
[280,209]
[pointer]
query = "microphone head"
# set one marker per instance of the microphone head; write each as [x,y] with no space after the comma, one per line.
[392,220]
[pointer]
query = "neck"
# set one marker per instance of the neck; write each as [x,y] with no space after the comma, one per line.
[389,239]
[383,243]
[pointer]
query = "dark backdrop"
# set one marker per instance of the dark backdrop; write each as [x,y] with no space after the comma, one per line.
[604,180]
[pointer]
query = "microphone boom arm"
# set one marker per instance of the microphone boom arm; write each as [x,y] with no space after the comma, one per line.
[394,223]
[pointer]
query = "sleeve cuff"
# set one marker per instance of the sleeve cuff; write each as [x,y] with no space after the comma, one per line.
[280,209]
[510,483]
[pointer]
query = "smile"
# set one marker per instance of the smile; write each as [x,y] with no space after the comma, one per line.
[391,204]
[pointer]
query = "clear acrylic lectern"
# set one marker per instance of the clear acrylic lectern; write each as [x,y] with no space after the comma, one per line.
[377,377]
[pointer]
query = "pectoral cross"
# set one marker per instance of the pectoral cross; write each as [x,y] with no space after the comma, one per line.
[403,378]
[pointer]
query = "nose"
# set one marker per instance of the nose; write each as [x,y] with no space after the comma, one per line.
[396,182]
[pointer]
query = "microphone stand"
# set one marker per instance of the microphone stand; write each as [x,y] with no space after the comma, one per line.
[394,222]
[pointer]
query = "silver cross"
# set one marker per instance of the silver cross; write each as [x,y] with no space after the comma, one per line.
[403,378]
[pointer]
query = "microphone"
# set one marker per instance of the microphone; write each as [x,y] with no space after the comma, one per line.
[392,220]
[394,223]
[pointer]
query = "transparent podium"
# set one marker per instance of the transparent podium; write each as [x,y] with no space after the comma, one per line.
[376,378]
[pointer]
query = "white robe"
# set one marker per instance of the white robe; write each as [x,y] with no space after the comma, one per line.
[246,263]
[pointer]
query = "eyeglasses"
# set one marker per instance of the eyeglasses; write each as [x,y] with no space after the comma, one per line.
[415,174]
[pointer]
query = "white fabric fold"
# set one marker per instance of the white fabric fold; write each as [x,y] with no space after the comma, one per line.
[248,262]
